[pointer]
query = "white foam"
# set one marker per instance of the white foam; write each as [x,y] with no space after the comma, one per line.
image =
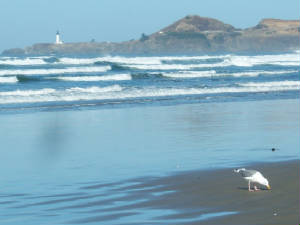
[116,92]
[248,61]
[8,80]
[133,60]
[256,73]
[22,62]
[117,77]
[291,59]
[95,89]
[56,71]
[152,63]
[44,91]
[190,74]
[174,66]
[286,83]
[212,73]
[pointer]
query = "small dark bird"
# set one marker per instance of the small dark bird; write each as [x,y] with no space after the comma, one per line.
[273,149]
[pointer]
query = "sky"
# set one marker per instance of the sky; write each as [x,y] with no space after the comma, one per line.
[25,22]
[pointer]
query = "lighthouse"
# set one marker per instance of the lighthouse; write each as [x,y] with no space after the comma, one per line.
[58,41]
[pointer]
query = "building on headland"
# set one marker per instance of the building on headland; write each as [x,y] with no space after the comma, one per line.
[58,41]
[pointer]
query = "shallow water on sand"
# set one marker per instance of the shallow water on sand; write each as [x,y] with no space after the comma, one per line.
[74,166]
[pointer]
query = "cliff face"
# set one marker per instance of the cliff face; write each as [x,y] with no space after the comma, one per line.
[190,35]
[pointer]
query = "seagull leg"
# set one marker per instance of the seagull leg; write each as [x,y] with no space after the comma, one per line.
[249,187]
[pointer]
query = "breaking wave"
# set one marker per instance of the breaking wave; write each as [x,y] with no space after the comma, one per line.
[95,89]
[117,67]
[213,73]
[8,79]
[22,62]
[44,91]
[117,92]
[257,73]
[190,74]
[24,78]
[55,71]
[291,59]
[249,61]
[287,83]
[144,75]
[98,78]
[51,60]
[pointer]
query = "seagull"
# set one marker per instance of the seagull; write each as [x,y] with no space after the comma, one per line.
[253,176]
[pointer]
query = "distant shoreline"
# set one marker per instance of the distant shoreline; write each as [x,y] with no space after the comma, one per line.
[190,35]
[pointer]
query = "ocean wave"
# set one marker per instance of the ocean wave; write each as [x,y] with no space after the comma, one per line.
[22,62]
[110,60]
[249,61]
[102,63]
[95,89]
[117,92]
[25,78]
[193,60]
[213,73]
[55,71]
[169,66]
[150,60]
[188,62]
[8,79]
[257,73]
[285,83]
[117,77]
[39,92]
[118,67]
[291,59]
[190,74]
[51,60]
[146,75]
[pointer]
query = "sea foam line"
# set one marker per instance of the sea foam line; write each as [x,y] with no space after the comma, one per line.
[117,77]
[117,92]
[21,62]
[249,61]
[8,79]
[191,74]
[286,83]
[257,73]
[212,73]
[95,89]
[44,91]
[291,59]
[55,71]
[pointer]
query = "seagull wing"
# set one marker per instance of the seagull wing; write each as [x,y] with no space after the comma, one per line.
[248,173]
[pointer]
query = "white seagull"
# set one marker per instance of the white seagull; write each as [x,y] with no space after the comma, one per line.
[253,176]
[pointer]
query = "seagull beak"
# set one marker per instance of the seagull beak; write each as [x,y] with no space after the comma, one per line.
[268,186]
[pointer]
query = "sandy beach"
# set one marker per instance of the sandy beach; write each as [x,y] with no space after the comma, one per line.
[224,191]
[151,165]
[214,197]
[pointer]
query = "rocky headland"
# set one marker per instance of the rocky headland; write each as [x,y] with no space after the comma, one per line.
[190,35]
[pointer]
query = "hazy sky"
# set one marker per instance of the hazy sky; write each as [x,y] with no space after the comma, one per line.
[25,22]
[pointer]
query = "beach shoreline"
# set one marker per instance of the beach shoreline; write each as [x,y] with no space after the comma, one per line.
[217,197]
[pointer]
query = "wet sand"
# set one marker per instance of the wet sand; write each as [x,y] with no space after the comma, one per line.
[197,197]
[211,197]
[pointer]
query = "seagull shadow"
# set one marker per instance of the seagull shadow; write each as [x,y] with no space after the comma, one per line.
[246,189]
[242,188]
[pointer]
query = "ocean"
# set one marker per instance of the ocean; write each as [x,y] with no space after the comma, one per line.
[77,132]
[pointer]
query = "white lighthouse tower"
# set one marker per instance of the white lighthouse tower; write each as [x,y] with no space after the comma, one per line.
[58,41]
